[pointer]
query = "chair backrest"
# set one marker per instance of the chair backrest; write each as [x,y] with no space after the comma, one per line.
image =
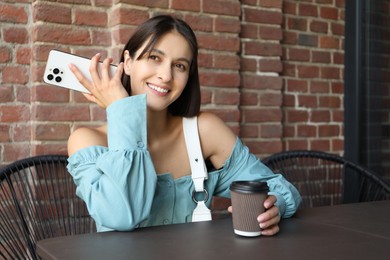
[328,179]
[37,201]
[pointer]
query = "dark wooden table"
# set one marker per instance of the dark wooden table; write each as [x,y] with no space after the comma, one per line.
[353,231]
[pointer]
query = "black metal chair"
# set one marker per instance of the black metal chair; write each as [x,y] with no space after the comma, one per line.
[328,179]
[38,201]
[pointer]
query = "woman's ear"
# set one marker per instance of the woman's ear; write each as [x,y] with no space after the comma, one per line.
[127,62]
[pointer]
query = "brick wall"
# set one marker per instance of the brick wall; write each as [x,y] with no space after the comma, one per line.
[271,69]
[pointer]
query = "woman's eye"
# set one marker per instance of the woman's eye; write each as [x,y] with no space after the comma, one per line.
[180,67]
[153,57]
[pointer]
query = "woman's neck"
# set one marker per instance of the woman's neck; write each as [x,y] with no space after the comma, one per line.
[160,125]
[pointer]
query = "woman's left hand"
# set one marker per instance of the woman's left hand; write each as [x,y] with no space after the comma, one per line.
[269,220]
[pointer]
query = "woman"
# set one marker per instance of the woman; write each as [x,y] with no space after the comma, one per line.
[134,171]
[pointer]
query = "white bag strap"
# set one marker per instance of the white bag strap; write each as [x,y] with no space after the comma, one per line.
[198,167]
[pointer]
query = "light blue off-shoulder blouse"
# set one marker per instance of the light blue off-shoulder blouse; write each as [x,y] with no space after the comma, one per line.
[122,190]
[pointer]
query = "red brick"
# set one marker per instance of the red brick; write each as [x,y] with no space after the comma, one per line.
[189,5]
[319,87]
[330,102]
[271,3]
[307,101]
[48,93]
[50,148]
[270,65]
[249,31]
[61,113]
[261,82]
[248,64]
[15,151]
[122,35]
[6,94]
[15,74]
[23,56]
[52,13]
[248,99]
[330,73]
[200,22]
[297,85]
[147,3]
[226,98]
[222,7]
[328,130]
[5,134]
[320,145]
[299,24]
[290,7]
[307,10]
[101,38]
[47,132]
[262,16]
[329,13]
[295,54]
[15,35]
[270,33]
[227,115]
[21,132]
[321,56]
[308,71]
[271,99]
[205,60]
[319,26]
[297,145]
[217,79]
[60,34]
[306,131]
[13,13]
[98,114]
[262,49]
[5,54]
[262,115]
[223,61]
[249,131]
[297,116]
[122,15]
[270,131]
[320,116]
[90,17]
[14,113]
[329,42]
[218,42]
[224,24]
[338,58]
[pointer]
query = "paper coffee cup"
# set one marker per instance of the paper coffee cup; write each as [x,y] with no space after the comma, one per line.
[248,203]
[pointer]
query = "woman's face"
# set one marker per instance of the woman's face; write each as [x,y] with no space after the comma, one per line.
[162,73]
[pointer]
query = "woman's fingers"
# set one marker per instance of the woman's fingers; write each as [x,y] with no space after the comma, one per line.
[93,68]
[80,77]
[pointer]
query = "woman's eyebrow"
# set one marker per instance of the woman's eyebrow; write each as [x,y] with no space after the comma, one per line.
[163,53]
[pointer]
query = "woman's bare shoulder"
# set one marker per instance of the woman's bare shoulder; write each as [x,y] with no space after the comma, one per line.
[216,137]
[87,136]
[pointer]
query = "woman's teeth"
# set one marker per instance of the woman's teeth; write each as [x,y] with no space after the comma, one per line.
[161,90]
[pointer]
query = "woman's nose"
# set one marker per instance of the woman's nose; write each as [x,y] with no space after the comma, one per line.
[165,72]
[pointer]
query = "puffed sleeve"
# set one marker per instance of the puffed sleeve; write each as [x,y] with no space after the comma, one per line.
[118,183]
[242,165]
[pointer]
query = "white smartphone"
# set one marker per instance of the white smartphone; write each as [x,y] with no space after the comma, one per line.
[57,72]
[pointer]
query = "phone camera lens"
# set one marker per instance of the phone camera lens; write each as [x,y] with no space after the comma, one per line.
[56,71]
[50,77]
[58,79]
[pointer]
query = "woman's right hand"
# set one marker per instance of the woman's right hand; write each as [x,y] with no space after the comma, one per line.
[104,89]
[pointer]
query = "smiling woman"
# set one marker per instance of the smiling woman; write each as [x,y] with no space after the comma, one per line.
[145,166]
